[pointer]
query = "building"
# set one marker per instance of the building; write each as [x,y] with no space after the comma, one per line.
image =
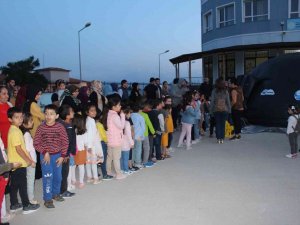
[238,35]
[54,73]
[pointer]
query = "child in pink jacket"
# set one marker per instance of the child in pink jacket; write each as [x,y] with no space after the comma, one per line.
[115,127]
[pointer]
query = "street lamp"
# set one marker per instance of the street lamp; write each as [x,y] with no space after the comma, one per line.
[159,61]
[85,26]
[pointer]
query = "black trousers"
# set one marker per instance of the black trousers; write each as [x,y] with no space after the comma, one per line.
[175,115]
[18,183]
[293,139]
[170,138]
[64,177]
[237,122]
[212,124]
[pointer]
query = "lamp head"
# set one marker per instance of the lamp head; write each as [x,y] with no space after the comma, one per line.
[87,24]
[167,51]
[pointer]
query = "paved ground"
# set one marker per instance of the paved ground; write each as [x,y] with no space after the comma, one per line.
[238,183]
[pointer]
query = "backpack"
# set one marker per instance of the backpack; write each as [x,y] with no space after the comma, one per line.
[297,127]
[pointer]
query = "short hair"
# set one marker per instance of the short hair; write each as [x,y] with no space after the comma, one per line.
[136,107]
[12,111]
[167,97]
[72,88]
[157,79]
[51,107]
[59,82]
[64,111]
[123,82]
[156,102]
[152,79]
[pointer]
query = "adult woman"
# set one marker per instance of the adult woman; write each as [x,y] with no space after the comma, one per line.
[135,95]
[4,106]
[237,100]
[220,107]
[69,97]
[13,98]
[83,96]
[165,89]
[33,94]
[96,96]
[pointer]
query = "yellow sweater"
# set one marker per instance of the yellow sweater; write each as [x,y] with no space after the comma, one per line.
[37,116]
[101,131]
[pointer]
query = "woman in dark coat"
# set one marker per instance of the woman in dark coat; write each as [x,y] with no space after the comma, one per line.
[69,97]
[135,95]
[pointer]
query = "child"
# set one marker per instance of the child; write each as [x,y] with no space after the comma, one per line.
[293,136]
[127,143]
[196,105]
[103,137]
[66,115]
[17,153]
[188,117]
[115,125]
[80,158]
[169,126]
[26,126]
[94,148]
[157,119]
[146,141]
[168,101]
[139,130]
[51,140]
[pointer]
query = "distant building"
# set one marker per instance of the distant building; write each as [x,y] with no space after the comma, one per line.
[238,35]
[54,73]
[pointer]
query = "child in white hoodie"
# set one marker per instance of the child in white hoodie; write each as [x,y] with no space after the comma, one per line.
[291,132]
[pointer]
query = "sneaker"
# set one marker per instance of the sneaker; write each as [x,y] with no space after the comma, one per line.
[170,149]
[219,141]
[222,141]
[189,148]
[7,217]
[120,177]
[291,156]
[238,137]
[49,204]
[67,194]
[33,202]
[97,181]
[133,169]
[195,141]
[179,146]
[58,198]
[148,164]
[107,177]
[30,208]
[16,207]
[128,172]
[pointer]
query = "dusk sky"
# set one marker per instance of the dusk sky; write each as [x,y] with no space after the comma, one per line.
[123,41]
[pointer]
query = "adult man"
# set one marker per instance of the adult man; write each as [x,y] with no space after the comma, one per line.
[150,91]
[206,88]
[10,87]
[158,91]
[122,91]
[60,88]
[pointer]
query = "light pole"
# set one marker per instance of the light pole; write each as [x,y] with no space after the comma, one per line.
[85,26]
[159,61]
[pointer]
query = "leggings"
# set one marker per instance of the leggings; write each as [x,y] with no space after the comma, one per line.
[186,131]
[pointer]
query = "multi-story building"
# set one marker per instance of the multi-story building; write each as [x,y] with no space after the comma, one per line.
[238,35]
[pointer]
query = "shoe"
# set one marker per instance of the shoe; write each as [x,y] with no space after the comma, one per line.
[189,148]
[30,208]
[58,198]
[222,141]
[49,204]
[73,182]
[170,149]
[107,177]
[133,169]
[136,168]
[291,156]
[238,137]
[33,202]
[7,218]
[128,172]
[5,223]
[97,181]
[89,180]
[219,141]
[179,146]
[16,207]
[81,185]
[120,177]
[233,138]
[195,141]
[148,164]
[67,194]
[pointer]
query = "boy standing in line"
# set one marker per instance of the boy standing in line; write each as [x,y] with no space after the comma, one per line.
[17,153]
[52,142]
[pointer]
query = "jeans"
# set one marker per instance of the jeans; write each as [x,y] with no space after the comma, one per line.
[124,160]
[30,182]
[64,176]
[220,118]
[196,129]
[18,183]
[52,176]
[157,146]
[293,142]
[151,152]
[137,153]
[237,122]
[103,165]
[146,149]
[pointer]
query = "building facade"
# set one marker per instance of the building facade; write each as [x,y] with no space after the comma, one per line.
[238,35]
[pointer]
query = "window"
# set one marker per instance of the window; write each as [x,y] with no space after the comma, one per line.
[207,22]
[254,58]
[294,9]
[255,10]
[225,15]
[226,65]
[208,67]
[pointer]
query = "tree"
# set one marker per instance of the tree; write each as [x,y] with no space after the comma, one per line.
[23,72]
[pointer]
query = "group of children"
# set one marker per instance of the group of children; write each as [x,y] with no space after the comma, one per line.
[120,140]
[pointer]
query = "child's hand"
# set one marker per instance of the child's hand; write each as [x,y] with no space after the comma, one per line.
[59,161]
[47,158]
[132,146]
[66,159]
[33,165]
[16,165]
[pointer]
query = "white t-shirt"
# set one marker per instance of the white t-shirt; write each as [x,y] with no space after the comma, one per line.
[292,121]
[29,146]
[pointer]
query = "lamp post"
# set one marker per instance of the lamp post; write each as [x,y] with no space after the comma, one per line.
[85,26]
[159,61]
